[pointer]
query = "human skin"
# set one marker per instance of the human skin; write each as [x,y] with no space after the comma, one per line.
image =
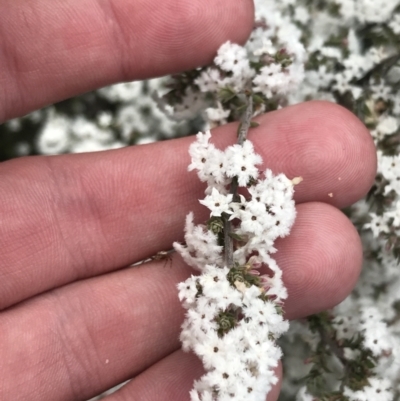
[75,319]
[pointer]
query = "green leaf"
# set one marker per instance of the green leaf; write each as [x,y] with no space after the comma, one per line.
[237,237]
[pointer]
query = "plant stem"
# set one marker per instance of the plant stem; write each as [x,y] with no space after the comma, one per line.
[228,242]
[242,134]
[246,121]
[333,346]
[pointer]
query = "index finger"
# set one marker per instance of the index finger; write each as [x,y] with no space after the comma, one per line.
[51,50]
[69,217]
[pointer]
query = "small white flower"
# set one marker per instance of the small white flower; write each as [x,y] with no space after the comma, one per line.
[230,56]
[394,214]
[376,334]
[272,80]
[394,24]
[254,218]
[303,395]
[377,390]
[387,125]
[241,162]
[201,247]
[301,15]
[190,106]
[202,152]
[218,203]
[55,136]
[217,115]
[210,80]
[267,48]
[378,224]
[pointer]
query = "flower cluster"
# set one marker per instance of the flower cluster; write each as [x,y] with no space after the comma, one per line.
[270,66]
[112,117]
[234,312]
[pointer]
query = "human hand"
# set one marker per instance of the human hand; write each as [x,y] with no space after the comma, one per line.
[74,320]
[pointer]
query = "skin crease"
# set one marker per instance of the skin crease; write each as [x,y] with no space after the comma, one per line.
[74,319]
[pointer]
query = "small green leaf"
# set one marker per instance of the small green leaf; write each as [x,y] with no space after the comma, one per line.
[237,237]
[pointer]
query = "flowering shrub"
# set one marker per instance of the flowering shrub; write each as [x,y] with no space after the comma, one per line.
[343,51]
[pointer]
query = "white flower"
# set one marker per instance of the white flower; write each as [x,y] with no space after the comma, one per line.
[267,47]
[380,91]
[14,125]
[188,291]
[301,14]
[376,334]
[202,152]
[272,80]
[215,171]
[389,167]
[217,115]
[378,224]
[210,80]
[123,92]
[387,125]
[394,24]
[377,390]
[320,78]
[104,119]
[303,395]
[201,247]
[241,162]
[130,121]
[218,203]
[394,214]
[190,106]
[55,135]
[254,218]
[346,326]
[231,57]
[209,162]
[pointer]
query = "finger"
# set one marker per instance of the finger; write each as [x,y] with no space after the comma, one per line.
[323,143]
[172,379]
[96,333]
[70,217]
[90,335]
[51,51]
[321,260]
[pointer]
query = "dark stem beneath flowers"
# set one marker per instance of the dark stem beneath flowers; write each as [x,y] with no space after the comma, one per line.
[242,134]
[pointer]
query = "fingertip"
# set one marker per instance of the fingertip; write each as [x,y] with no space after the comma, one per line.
[321,259]
[188,38]
[325,144]
[358,150]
